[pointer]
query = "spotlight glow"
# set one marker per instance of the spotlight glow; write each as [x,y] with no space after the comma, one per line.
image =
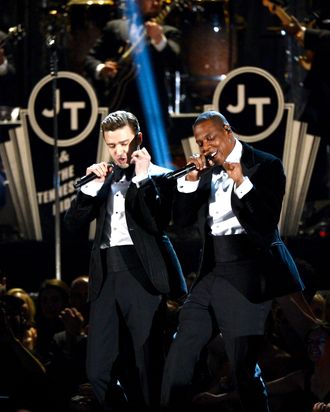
[148,90]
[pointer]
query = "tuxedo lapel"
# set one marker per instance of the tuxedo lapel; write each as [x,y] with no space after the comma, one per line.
[103,192]
[249,165]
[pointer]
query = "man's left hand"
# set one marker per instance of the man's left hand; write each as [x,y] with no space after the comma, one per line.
[154,31]
[141,159]
[235,172]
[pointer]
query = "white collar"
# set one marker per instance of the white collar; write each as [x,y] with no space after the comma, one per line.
[236,154]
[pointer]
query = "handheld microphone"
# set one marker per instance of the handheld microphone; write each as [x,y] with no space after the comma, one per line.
[88,178]
[181,172]
[186,169]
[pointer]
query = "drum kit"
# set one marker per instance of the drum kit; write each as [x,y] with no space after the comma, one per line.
[209,44]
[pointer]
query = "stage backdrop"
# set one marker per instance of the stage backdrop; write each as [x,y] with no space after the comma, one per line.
[30,155]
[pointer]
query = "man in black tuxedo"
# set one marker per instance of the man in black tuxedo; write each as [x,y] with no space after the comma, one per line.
[7,75]
[316,41]
[133,267]
[116,79]
[316,107]
[8,98]
[235,195]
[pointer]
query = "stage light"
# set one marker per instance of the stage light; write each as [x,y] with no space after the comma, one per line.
[148,91]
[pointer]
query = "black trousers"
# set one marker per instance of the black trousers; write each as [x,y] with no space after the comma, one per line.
[124,339]
[214,305]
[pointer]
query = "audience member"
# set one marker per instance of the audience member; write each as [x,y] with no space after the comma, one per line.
[75,321]
[321,406]
[74,316]
[23,380]
[318,305]
[29,338]
[326,294]
[305,389]
[67,367]
[8,79]
[79,296]
[53,297]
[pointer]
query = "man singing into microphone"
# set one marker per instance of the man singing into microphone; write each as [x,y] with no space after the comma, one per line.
[133,266]
[236,198]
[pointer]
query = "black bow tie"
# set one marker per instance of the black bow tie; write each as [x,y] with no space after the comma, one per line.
[119,172]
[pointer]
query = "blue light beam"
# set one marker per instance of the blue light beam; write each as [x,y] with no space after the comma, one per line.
[148,92]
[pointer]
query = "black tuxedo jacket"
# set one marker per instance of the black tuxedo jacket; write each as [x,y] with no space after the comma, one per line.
[147,213]
[274,273]
[317,83]
[8,81]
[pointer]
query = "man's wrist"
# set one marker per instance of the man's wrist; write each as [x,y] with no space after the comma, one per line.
[160,46]
[4,67]
[98,70]
[139,180]
[300,35]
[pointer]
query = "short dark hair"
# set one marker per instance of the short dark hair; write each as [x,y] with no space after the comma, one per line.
[117,120]
[322,325]
[211,115]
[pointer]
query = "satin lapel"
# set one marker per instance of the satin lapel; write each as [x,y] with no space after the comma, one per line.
[130,198]
[249,166]
[206,178]
[103,193]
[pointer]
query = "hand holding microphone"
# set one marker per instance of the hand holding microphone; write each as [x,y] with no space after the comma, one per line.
[96,171]
[102,170]
[196,164]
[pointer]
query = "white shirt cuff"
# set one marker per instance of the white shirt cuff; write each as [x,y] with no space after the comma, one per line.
[161,45]
[138,179]
[243,188]
[91,188]
[186,186]
[4,67]
[98,69]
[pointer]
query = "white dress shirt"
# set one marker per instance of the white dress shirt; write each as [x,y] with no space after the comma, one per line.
[119,234]
[221,218]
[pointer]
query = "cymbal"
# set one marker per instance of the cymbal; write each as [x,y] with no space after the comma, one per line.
[90,2]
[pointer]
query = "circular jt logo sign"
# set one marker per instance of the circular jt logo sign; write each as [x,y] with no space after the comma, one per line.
[251,98]
[76,108]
